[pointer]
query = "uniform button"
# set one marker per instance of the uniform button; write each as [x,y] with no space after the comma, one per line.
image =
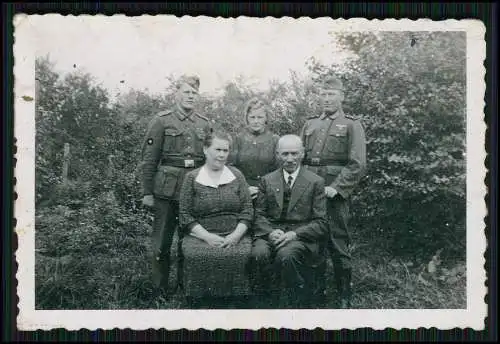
[254,143]
[317,152]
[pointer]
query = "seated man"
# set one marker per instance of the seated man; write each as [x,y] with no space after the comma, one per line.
[290,225]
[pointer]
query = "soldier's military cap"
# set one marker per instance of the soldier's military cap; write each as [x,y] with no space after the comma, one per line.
[191,80]
[334,83]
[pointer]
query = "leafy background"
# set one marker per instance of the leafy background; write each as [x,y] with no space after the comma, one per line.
[408,220]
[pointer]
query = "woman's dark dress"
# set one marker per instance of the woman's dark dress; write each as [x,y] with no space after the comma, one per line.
[255,155]
[213,271]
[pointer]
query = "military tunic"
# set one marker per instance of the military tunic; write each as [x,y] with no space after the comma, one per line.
[254,155]
[172,147]
[335,149]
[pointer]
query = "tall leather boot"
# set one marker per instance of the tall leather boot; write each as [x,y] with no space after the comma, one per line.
[344,288]
[305,299]
[318,295]
[288,298]
[163,267]
[180,266]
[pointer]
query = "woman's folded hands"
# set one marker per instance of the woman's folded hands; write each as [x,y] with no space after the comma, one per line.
[214,240]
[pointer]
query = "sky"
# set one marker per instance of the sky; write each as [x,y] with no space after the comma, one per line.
[143,51]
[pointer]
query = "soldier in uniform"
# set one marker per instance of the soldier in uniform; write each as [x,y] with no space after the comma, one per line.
[173,146]
[336,150]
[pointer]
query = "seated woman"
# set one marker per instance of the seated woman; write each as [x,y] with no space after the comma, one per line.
[215,211]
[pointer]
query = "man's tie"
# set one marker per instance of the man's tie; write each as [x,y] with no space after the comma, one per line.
[286,197]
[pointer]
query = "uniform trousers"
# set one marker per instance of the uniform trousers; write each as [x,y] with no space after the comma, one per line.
[338,223]
[338,245]
[166,219]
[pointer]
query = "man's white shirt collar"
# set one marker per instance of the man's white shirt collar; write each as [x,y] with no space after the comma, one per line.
[204,179]
[294,175]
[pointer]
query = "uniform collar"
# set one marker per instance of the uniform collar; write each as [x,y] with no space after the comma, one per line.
[339,113]
[182,115]
[204,179]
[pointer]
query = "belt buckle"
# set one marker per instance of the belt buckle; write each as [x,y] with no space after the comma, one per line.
[315,161]
[188,163]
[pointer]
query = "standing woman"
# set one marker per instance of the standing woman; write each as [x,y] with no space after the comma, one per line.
[254,150]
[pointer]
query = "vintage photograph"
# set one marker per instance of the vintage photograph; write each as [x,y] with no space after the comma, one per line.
[257,172]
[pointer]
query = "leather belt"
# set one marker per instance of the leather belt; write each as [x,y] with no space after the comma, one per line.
[183,162]
[323,162]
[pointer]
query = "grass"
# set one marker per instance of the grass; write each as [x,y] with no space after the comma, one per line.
[98,258]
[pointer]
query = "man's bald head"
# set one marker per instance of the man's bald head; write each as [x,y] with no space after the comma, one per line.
[290,152]
[290,141]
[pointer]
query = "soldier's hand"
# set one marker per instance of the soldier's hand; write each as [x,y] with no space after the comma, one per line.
[330,192]
[254,190]
[148,201]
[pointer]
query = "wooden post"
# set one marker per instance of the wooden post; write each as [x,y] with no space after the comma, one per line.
[37,96]
[66,160]
[111,166]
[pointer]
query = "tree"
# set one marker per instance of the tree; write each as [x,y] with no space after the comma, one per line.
[70,110]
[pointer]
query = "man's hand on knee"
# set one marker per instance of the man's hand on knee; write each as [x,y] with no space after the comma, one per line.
[275,235]
[285,239]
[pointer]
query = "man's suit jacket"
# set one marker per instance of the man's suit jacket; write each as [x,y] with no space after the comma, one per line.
[306,213]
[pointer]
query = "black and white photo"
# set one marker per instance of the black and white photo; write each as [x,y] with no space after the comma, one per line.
[244,172]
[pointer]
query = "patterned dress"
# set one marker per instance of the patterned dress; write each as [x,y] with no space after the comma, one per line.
[255,155]
[212,271]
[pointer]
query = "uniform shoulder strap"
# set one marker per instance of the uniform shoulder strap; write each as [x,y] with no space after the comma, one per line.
[202,117]
[352,117]
[164,113]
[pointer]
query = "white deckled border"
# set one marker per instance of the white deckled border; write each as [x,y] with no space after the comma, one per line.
[26,41]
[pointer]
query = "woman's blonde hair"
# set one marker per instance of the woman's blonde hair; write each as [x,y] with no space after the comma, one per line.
[255,104]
